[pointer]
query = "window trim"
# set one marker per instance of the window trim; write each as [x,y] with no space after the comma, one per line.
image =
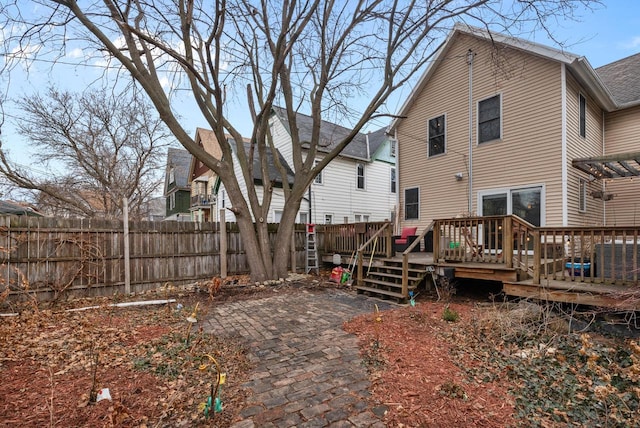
[582,195]
[444,135]
[582,115]
[328,217]
[172,201]
[499,95]
[359,177]
[393,147]
[417,203]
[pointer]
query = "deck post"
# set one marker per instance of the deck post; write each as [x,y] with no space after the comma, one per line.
[389,248]
[507,240]
[537,256]
[405,275]
[360,270]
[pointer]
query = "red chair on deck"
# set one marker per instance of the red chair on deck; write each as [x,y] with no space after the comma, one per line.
[407,237]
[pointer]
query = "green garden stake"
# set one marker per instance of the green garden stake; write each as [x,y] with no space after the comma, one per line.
[207,407]
[412,299]
[217,407]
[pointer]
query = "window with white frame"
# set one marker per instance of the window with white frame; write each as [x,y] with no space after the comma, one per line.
[411,203]
[304,217]
[489,119]
[318,179]
[328,218]
[582,195]
[582,101]
[436,136]
[172,201]
[392,147]
[172,175]
[277,216]
[361,218]
[360,175]
[393,180]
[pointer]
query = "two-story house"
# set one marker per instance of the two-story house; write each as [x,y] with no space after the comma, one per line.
[176,185]
[358,185]
[500,125]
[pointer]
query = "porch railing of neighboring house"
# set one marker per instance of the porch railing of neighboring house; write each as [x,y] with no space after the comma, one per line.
[203,200]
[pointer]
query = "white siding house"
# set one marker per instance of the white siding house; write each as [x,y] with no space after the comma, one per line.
[356,186]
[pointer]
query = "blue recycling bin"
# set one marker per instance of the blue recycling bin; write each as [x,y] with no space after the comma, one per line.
[578,267]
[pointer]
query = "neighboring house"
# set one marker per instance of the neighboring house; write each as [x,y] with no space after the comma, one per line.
[499,125]
[176,185]
[358,185]
[202,180]
[16,208]
[209,187]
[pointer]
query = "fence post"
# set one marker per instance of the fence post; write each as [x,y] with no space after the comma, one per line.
[223,244]
[127,261]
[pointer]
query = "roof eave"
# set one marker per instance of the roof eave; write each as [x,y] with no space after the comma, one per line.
[588,76]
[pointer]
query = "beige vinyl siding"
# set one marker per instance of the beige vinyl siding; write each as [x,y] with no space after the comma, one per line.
[622,134]
[580,147]
[529,152]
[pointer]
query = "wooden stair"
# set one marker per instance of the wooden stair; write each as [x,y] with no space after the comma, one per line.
[384,279]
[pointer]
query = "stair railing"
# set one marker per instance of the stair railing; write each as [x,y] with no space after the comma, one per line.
[405,259]
[386,228]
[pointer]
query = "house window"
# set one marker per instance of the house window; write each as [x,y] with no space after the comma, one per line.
[436,136]
[172,176]
[489,119]
[223,197]
[583,115]
[361,218]
[328,218]
[360,176]
[172,201]
[411,203]
[392,148]
[304,218]
[318,179]
[525,203]
[393,180]
[582,195]
[277,216]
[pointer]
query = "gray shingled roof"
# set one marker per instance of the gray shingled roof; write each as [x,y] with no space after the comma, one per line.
[622,78]
[376,139]
[330,135]
[274,174]
[180,160]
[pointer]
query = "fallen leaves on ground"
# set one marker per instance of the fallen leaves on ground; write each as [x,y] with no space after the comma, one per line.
[498,365]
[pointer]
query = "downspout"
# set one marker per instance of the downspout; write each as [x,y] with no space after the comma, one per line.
[603,184]
[563,82]
[396,221]
[470,56]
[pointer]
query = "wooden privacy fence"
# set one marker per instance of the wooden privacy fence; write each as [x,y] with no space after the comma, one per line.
[49,256]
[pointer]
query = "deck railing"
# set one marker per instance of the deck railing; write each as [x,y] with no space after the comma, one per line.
[598,255]
[347,238]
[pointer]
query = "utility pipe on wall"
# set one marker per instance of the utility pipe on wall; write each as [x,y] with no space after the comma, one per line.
[470,56]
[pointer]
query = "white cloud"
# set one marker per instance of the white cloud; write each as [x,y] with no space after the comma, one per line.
[633,43]
[76,53]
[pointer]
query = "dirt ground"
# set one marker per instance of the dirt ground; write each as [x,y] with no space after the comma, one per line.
[467,362]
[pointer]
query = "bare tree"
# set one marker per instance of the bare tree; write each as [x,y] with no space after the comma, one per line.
[313,56]
[106,147]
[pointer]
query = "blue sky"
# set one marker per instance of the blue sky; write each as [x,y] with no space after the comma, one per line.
[609,33]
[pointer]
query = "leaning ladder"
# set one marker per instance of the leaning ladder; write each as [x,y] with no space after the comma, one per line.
[312,250]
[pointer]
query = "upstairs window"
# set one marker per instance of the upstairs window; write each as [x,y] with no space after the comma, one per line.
[392,147]
[489,120]
[360,176]
[318,179]
[172,176]
[393,180]
[436,136]
[583,115]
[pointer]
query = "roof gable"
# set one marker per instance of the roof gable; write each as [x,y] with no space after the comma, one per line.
[330,135]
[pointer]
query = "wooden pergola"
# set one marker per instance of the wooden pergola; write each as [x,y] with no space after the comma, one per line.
[611,166]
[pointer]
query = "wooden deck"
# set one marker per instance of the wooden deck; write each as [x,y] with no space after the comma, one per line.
[528,261]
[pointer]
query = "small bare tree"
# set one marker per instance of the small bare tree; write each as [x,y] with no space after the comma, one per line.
[328,59]
[97,148]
